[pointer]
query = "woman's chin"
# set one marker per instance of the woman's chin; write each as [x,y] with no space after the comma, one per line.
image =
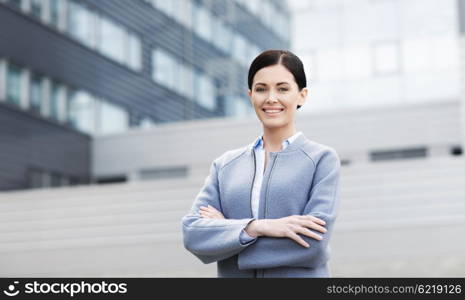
[273,123]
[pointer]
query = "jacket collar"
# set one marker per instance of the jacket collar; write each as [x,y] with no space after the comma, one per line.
[296,144]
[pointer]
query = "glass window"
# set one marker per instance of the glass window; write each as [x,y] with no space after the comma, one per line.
[55,179]
[445,52]
[35,178]
[279,24]
[15,3]
[46,179]
[135,52]
[2,79]
[308,60]
[329,62]
[80,22]
[165,6]
[309,24]
[186,13]
[357,62]
[35,93]
[423,18]
[82,111]
[55,8]
[254,6]
[177,9]
[36,8]
[416,55]
[386,58]
[222,36]
[112,118]
[253,51]
[237,106]
[387,19]
[164,68]
[266,11]
[239,48]
[241,107]
[146,122]
[54,101]
[187,81]
[274,13]
[216,24]
[206,91]
[202,22]
[358,23]
[13,84]
[113,40]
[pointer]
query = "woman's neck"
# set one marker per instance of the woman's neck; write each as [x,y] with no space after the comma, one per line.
[274,137]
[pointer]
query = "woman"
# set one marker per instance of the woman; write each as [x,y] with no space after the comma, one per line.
[268,209]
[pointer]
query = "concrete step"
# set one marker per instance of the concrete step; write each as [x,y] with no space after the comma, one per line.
[117,211]
[85,190]
[375,176]
[404,212]
[184,194]
[381,188]
[415,198]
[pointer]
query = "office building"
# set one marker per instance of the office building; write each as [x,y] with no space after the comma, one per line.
[71,70]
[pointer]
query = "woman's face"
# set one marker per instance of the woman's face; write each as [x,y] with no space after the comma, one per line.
[275,96]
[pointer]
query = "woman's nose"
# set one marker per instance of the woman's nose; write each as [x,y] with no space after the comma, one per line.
[272,97]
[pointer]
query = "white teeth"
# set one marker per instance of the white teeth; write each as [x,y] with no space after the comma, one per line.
[272,111]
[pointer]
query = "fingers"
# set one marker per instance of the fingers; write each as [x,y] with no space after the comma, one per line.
[309,233]
[210,212]
[311,225]
[314,219]
[208,215]
[310,222]
[298,239]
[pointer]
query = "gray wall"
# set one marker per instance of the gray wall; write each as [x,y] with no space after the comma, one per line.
[354,134]
[27,141]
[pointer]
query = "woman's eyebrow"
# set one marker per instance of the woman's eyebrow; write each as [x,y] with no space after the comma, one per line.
[279,83]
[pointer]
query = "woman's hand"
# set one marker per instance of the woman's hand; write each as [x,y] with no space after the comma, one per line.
[210,212]
[288,227]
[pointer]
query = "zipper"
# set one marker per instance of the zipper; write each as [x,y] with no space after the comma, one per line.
[251,188]
[266,206]
[253,179]
[267,183]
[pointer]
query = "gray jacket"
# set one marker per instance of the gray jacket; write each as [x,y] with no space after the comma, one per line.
[302,179]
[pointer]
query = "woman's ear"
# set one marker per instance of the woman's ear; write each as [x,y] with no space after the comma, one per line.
[250,93]
[303,96]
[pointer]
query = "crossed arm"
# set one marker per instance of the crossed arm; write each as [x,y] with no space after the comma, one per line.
[288,241]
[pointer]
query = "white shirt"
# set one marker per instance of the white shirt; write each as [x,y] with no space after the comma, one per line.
[260,169]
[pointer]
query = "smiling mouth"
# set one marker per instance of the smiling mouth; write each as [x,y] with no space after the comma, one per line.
[273,112]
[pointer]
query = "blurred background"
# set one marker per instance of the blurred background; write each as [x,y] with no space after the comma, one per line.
[112,111]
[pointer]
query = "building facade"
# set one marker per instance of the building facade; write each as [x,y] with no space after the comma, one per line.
[71,70]
[374,53]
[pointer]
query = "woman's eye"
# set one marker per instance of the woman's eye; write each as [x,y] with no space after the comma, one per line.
[259,89]
[283,89]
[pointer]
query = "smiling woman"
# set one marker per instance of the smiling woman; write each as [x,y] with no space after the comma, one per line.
[277,86]
[268,209]
[289,65]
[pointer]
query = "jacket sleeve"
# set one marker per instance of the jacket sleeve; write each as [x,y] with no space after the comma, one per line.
[245,238]
[212,239]
[270,252]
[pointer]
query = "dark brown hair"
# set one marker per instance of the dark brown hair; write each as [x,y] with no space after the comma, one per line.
[274,57]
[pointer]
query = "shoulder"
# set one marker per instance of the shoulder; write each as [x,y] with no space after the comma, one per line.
[320,154]
[229,156]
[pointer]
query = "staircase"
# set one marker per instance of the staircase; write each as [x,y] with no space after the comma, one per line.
[396,218]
